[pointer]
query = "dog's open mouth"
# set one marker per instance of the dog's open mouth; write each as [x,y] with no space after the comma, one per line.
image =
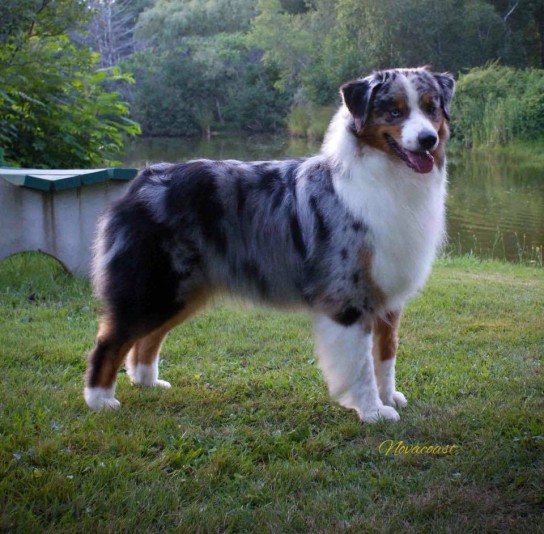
[421,162]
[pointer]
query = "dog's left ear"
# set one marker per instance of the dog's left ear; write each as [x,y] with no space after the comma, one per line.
[357,95]
[447,85]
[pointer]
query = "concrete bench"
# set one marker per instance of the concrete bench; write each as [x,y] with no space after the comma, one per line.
[55,211]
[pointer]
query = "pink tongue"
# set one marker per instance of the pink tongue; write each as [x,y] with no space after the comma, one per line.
[422,161]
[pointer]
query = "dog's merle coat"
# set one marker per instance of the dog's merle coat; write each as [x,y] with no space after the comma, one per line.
[272,230]
[276,231]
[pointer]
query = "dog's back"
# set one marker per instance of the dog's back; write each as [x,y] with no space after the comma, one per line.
[274,231]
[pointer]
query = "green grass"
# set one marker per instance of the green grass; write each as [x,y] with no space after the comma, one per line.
[247,440]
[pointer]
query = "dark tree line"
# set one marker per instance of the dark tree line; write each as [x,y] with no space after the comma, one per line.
[241,64]
[66,66]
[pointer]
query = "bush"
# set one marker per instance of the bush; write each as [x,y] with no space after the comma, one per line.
[309,120]
[213,83]
[494,105]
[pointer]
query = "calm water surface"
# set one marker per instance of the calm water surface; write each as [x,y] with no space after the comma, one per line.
[495,202]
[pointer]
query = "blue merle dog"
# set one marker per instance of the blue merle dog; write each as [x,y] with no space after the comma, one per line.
[350,234]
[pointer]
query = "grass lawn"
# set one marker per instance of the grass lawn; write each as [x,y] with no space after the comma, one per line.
[247,439]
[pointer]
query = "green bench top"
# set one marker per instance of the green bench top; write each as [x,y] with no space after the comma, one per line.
[59,179]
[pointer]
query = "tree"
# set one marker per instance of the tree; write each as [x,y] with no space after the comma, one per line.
[110,29]
[200,73]
[54,109]
[318,48]
[170,21]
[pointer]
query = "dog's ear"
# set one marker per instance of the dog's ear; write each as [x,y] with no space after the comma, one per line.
[357,95]
[447,86]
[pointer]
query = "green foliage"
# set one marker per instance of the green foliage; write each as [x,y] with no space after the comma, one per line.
[298,121]
[241,64]
[56,108]
[205,82]
[167,94]
[337,40]
[171,21]
[309,120]
[495,105]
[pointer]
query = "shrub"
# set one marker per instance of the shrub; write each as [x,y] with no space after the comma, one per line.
[494,105]
[57,108]
[309,120]
[214,83]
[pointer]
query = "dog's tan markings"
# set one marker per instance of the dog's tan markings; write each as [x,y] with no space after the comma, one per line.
[376,295]
[381,122]
[146,349]
[399,104]
[428,105]
[112,345]
[105,360]
[385,332]
[374,135]
[439,153]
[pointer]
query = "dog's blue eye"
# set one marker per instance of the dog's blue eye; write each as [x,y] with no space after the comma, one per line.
[395,113]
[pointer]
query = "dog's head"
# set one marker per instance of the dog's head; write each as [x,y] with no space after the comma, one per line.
[402,112]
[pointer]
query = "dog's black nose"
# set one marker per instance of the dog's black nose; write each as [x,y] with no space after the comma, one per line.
[427,139]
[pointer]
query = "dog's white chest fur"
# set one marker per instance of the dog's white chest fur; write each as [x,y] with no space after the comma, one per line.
[405,216]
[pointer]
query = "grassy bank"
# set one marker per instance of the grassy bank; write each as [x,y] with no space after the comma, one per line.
[248,440]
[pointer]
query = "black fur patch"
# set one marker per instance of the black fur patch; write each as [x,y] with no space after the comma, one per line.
[210,211]
[296,234]
[322,230]
[190,258]
[241,194]
[251,270]
[348,316]
[140,285]
[195,184]
[269,179]
[290,177]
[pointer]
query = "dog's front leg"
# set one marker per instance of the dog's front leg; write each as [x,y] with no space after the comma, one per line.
[385,355]
[345,357]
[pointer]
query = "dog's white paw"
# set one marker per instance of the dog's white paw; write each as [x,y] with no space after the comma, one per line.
[399,399]
[101,398]
[396,400]
[146,375]
[161,384]
[382,412]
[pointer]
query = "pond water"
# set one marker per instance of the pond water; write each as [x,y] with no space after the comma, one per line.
[495,201]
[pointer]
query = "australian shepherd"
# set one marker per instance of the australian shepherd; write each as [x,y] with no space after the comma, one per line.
[350,233]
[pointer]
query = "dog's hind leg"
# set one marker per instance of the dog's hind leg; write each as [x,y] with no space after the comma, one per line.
[114,342]
[103,363]
[143,359]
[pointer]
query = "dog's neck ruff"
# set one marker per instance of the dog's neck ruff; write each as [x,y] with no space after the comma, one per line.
[404,210]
